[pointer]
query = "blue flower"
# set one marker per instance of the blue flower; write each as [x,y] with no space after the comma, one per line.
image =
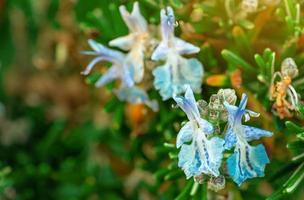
[135,42]
[247,161]
[198,154]
[177,71]
[120,69]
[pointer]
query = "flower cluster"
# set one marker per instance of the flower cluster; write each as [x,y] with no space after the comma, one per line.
[169,78]
[128,68]
[201,151]
[177,71]
[205,152]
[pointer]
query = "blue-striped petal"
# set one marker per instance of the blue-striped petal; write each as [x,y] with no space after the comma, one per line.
[201,156]
[188,104]
[215,148]
[230,139]
[252,133]
[247,162]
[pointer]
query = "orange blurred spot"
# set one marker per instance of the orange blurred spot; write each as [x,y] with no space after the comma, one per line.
[136,114]
[218,80]
[236,78]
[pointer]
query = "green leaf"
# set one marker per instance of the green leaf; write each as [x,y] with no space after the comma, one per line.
[174,174]
[293,127]
[301,136]
[204,191]
[194,189]
[295,179]
[290,8]
[236,60]
[259,60]
[184,193]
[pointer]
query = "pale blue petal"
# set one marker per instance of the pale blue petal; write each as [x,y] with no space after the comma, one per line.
[167,23]
[190,97]
[231,109]
[252,133]
[188,104]
[90,66]
[135,63]
[201,156]
[184,47]
[214,150]
[230,139]
[108,54]
[125,43]
[135,21]
[250,165]
[161,51]
[206,126]
[188,160]
[191,73]
[140,20]
[163,81]
[136,95]
[185,134]
[109,76]
[127,76]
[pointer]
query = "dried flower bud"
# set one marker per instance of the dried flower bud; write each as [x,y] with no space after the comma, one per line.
[203,107]
[217,183]
[228,95]
[289,68]
[200,178]
[249,5]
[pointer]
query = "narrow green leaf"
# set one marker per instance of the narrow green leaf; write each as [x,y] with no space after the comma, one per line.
[236,60]
[204,191]
[174,174]
[301,136]
[276,195]
[259,60]
[293,127]
[194,189]
[159,174]
[290,8]
[184,193]
[295,179]
[169,145]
